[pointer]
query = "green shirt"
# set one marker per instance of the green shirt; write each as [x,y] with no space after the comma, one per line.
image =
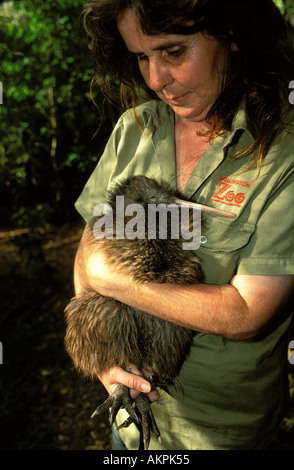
[235,393]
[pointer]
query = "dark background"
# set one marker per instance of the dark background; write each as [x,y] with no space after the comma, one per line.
[51,138]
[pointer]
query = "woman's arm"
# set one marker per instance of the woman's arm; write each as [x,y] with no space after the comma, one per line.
[239,310]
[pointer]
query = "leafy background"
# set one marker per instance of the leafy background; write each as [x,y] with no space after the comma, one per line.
[51,138]
[47,120]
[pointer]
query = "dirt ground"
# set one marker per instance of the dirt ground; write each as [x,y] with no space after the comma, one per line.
[45,404]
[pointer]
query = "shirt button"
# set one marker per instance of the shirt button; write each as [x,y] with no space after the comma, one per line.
[203,240]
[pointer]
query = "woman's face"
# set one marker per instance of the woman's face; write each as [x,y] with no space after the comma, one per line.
[186,72]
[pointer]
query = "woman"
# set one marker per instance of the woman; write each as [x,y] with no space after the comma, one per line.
[217,124]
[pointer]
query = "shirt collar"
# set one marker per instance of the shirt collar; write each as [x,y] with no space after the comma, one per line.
[155,116]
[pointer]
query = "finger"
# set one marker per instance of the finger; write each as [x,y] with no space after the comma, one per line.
[153,395]
[132,381]
[137,372]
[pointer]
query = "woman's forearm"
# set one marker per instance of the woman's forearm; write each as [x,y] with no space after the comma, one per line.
[239,310]
[204,308]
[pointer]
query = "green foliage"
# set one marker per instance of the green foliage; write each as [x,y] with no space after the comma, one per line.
[287,8]
[47,119]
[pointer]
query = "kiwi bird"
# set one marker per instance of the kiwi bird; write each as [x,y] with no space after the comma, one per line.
[102,332]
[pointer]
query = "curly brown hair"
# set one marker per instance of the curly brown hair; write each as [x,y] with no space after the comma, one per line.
[260,67]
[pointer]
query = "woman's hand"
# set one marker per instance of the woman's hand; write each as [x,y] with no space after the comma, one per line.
[134,380]
[93,272]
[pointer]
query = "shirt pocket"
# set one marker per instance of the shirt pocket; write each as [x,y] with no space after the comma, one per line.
[222,242]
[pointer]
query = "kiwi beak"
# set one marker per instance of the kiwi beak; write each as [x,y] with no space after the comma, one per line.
[204,208]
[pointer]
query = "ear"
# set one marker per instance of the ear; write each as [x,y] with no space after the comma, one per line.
[204,208]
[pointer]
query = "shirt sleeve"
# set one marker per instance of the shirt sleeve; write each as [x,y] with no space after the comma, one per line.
[270,250]
[95,189]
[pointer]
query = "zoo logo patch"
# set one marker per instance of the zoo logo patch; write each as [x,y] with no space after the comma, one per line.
[228,193]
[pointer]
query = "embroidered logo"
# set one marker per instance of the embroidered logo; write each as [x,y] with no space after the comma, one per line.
[227,194]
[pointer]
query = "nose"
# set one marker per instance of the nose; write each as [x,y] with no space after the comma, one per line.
[159,75]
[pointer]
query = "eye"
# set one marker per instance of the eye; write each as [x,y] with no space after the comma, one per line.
[176,51]
[141,57]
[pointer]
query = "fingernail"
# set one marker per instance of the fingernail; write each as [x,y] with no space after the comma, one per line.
[145,388]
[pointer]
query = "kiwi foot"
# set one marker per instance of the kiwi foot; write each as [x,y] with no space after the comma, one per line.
[119,397]
[139,411]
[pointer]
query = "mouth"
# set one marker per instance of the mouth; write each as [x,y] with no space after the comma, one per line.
[177,100]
